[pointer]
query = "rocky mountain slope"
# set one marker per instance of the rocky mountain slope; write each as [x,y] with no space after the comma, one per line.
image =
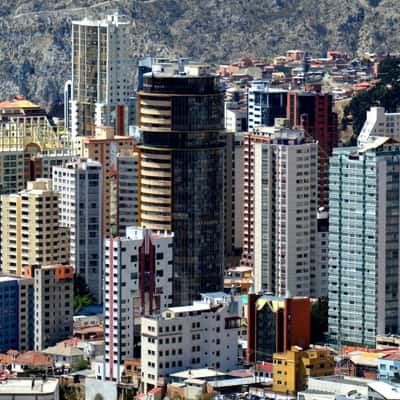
[35,34]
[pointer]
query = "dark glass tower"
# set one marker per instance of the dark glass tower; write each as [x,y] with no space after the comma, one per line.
[181,183]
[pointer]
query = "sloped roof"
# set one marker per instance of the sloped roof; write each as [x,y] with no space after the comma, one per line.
[18,102]
[34,359]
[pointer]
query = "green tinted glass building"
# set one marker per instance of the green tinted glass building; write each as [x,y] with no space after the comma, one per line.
[364,205]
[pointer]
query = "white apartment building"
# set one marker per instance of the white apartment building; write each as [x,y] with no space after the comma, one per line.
[204,334]
[102,89]
[235,117]
[127,166]
[379,123]
[233,194]
[79,185]
[285,212]
[138,281]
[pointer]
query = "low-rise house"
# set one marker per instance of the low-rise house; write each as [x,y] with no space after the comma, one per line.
[293,369]
[64,355]
[389,367]
[32,360]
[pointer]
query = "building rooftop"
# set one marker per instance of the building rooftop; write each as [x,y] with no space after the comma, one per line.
[386,390]
[17,102]
[392,356]
[63,349]
[34,359]
[200,373]
[29,386]
[194,307]
[113,19]
[180,70]
[344,380]
[369,359]
[9,278]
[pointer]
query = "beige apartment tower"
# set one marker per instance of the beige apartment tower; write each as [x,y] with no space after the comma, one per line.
[30,229]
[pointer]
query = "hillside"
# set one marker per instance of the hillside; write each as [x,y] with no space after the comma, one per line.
[35,34]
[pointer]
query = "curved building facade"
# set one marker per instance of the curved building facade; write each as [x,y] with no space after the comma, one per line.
[181,116]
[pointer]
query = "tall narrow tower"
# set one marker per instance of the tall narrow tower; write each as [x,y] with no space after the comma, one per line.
[101,69]
[181,171]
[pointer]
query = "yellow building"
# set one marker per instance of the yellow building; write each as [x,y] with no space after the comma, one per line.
[30,229]
[292,369]
[239,277]
[104,147]
[23,123]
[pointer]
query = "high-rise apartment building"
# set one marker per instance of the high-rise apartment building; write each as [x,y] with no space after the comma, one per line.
[138,281]
[12,171]
[79,186]
[104,147]
[54,297]
[312,111]
[379,123]
[320,271]
[275,324]
[23,123]
[30,143]
[18,167]
[364,241]
[181,175]
[249,141]
[233,203]
[16,313]
[235,117]
[201,335]
[127,202]
[30,228]
[285,212]
[67,106]
[101,75]
[265,104]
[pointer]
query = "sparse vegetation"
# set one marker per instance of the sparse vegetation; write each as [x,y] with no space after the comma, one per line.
[82,295]
[386,94]
[35,35]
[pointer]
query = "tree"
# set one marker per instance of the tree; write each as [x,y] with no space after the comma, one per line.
[82,364]
[385,94]
[82,295]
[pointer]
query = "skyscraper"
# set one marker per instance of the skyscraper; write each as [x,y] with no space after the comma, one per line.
[127,166]
[16,313]
[233,203]
[30,229]
[54,302]
[285,212]
[101,75]
[181,116]
[79,185]
[138,281]
[312,110]
[104,147]
[364,232]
